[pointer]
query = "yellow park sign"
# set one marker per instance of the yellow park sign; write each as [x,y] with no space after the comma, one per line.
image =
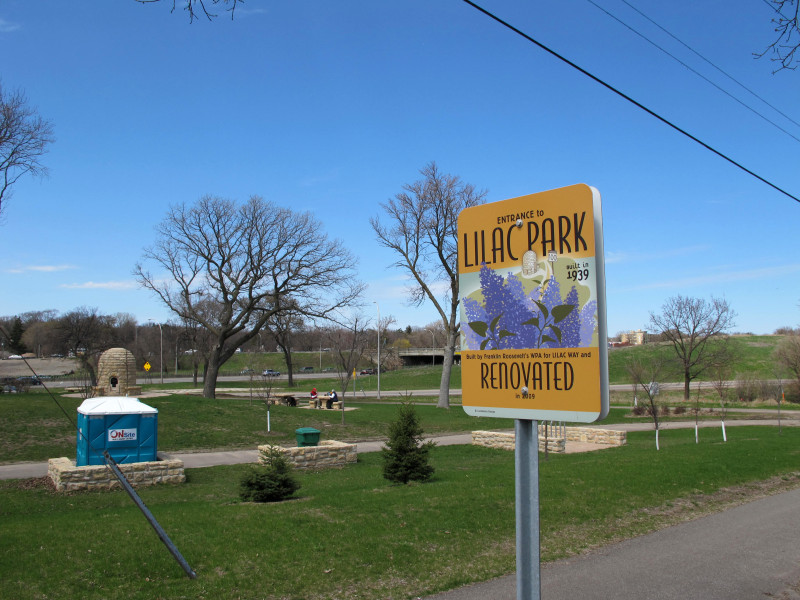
[147,366]
[532,301]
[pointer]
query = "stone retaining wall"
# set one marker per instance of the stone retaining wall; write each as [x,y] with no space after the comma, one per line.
[596,435]
[555,440]
[328,454]
[505,441]
[69,478]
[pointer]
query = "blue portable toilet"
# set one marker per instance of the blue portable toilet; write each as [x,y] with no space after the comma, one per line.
[126,427]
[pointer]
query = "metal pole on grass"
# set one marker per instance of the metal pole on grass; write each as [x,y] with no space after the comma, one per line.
[162,535]
[526,463]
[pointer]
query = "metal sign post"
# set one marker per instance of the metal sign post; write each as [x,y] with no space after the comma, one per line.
[526,468]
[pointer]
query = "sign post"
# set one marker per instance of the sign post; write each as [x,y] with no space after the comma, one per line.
[533,330]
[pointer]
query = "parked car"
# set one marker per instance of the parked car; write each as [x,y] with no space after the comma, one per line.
[8,389]
[15,357]
[28,380]
[368,372]
[271,373]
[307,370]
[246,372]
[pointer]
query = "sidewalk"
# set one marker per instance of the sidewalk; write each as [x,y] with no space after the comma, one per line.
[194,460]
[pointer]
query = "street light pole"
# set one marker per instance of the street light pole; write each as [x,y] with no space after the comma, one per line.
[433,349]
[161,340]
[379,349]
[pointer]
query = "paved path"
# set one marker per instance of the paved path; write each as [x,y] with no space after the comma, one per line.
[192,460]
[747,552]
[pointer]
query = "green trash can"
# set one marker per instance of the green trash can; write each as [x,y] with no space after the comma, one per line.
[307,436]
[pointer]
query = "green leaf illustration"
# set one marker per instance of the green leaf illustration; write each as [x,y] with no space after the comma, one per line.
[542,308]
[504,333]
[534,321]
[479,327]
[557,331]
[547,338]
[560,312]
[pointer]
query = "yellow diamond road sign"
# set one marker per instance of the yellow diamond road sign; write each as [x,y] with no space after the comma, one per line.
[147,366]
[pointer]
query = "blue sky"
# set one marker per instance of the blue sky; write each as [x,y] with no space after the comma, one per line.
[331,107]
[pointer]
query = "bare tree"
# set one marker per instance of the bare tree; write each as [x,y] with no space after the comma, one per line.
[721,381]
[787,354]
[645,375]
[787,28]
[85,333]
[196,8]
[252,262]
[282,327]
[24,137]
[697,331]
[348,345]
[422,230]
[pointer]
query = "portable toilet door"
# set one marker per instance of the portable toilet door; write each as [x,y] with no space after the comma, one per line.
[125,427]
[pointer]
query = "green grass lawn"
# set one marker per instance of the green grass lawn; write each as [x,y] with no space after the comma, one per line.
[33,428]
[350,534]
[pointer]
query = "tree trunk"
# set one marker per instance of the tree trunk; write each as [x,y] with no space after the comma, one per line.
[210,375]
[447,368]
[287,356]
[687,381]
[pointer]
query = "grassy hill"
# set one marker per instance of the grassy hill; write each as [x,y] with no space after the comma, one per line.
[753,357]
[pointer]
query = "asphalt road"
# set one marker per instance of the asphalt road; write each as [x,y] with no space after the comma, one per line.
[747,552]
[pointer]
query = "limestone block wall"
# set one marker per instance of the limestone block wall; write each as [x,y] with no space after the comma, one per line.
[596,435]
[555,443]
[69,478]
[327,454]
[506,441]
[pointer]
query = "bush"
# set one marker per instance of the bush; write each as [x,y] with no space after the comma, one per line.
[792,393]
[271,482]
[405,457]
[679,410]
[747,387]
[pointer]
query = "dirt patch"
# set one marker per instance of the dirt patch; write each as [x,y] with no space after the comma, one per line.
[34,483]
[42,366]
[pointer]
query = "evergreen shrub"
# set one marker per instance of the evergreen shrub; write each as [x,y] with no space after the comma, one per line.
[271,482]
[405,456]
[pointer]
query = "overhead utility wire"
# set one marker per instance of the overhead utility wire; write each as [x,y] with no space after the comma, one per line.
[728,75]
[629,99]
[706,79]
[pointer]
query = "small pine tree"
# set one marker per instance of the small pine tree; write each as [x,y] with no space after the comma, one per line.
[271,482]
[15,337]
[405,456]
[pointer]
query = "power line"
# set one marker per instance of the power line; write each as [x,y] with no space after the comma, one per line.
[703,77]
[729,76]
[629,99]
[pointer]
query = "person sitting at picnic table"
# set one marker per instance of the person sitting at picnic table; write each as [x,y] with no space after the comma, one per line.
[314,396]
[331,399]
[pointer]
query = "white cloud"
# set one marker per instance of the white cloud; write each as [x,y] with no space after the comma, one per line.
[41,269]
[8,27]
[102,285]
[721,277]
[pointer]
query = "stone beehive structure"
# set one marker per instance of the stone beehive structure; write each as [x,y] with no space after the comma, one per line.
[116,374]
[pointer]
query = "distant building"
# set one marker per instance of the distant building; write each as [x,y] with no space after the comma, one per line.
[633,338]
